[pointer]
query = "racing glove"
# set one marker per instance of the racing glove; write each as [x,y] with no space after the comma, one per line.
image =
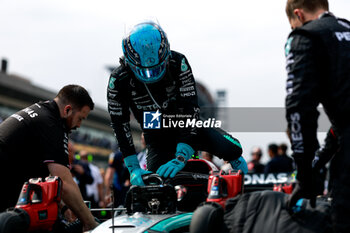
[171,168]
[136,172]
[240,164]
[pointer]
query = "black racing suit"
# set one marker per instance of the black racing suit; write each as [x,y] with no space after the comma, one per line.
[174,94]
[29,139]
[318,66]
[326,153]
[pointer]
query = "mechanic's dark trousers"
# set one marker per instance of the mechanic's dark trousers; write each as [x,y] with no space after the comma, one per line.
[162,144]
[341,185]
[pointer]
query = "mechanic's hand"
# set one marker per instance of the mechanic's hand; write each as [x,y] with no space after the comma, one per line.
[132,163]
[306,181]
[91,226]
[69,215]
[240,164]
[301,191]
[171,168]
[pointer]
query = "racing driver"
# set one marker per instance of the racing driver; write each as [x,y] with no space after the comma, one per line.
[152,79]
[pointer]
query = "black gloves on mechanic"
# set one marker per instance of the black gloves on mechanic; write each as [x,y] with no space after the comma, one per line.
[307,182]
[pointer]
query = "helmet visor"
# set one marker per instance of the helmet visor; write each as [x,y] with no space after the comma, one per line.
[149,74]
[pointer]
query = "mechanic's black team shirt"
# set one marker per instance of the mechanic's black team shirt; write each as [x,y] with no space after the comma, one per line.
[29,139]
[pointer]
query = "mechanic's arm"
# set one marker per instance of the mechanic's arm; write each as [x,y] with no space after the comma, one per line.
[302,99]
[303,95]
[71,195]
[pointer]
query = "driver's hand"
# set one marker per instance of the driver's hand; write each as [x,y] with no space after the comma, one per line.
[171,168]
[136,173]
[136,176]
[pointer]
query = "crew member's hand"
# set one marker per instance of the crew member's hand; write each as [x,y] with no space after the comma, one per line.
[306,186]
[171,168]
[240,164]
[136,173]
[108,196]
[69,215]
[101,204]
[302,191]
[127,183]
[90,226]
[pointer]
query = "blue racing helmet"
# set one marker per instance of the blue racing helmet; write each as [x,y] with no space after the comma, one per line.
[146,50]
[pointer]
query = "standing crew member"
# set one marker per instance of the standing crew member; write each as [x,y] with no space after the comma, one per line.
[34,143]
[318,67]
[152,79]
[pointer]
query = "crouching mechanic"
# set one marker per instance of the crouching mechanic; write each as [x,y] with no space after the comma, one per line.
[34,143]
[152,79]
